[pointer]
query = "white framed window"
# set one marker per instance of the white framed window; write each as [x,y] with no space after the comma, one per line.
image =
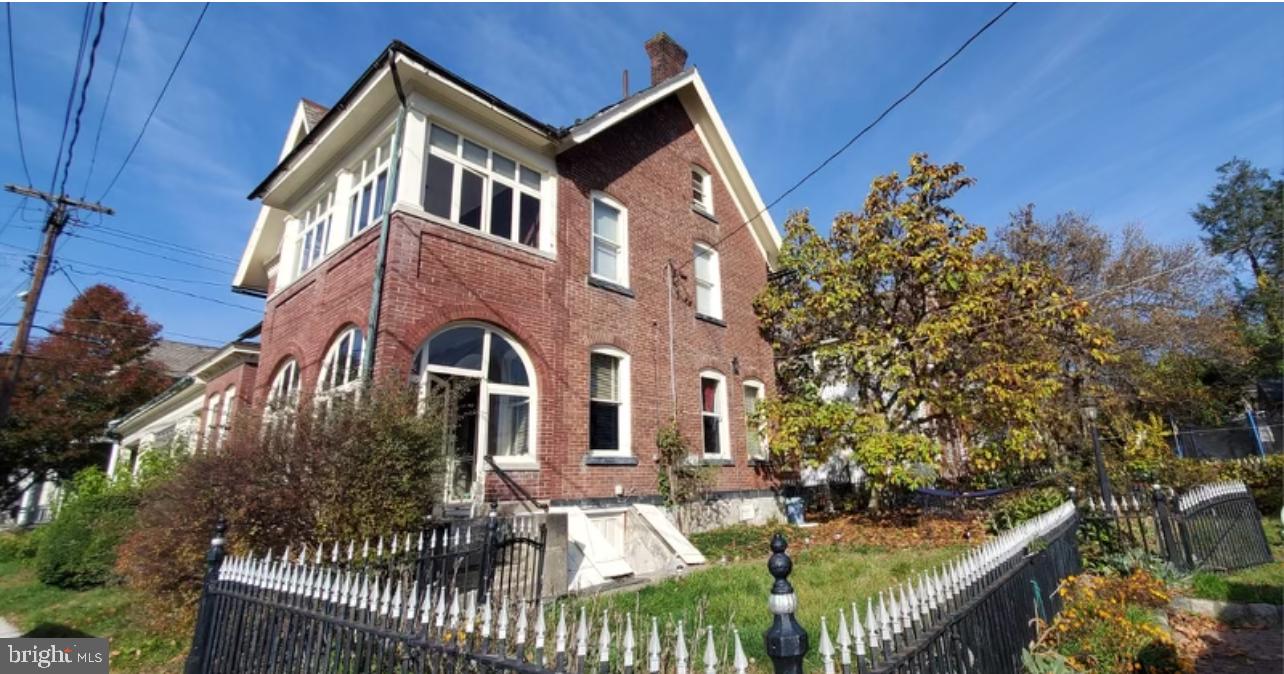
[470,185]
[314,232]
[225,419]
[609,396]
[341,367]
[701,190]
[487,382]
[211,438]
[715,435]
[755,432]
[609,222]
[283,395]
[708,282]
[370,187]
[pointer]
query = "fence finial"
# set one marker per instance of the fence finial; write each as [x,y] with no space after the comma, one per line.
[786,640]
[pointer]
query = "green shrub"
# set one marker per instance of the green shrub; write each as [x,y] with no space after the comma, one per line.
[78,549]
[1014,509]
[18,546]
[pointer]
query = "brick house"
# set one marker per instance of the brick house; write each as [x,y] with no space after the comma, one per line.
[574,288]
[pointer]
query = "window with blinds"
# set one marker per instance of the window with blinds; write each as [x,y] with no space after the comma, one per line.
[605,402]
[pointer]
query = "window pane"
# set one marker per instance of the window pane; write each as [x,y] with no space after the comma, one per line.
[604,426]
[605,259]
[457,347]
[704,299]
[443,139]
[363,218]
[509,425]
[470,199]
[354,356]
[474,153]
[501,210]
[753,431]
[709,395]
[530,178]
[352,215]
[336,375]
[703,264]
[381,188]
[503,166]
[438,186]
[506,367]
[603,379]
[528,221]
[606,221]
[712,443]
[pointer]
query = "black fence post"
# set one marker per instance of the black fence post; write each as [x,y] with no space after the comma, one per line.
[1167,535]
[786,640]
[488,550]
[205,611]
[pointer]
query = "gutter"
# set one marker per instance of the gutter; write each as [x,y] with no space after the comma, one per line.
[389,197]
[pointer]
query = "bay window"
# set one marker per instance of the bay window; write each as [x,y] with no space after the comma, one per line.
[473,186]
[609,402]
[314,232]
[708,285]
[370,178]
[610,256]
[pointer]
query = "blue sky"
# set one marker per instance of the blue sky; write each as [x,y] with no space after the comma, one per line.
[1120,111]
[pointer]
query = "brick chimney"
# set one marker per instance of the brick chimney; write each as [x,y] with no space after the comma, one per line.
[668,58]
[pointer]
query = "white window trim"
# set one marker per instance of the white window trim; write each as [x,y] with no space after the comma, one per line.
[706,189]
[459,165]
[225,416]
[518,463]
[213,410]
[622,258]
[761,390]
[284,371]
[720,402]
[715,284]
[380,159]
[319,210]
[326,391]
[624,385]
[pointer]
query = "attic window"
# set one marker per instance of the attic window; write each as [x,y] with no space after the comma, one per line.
[471,185]
[701,190]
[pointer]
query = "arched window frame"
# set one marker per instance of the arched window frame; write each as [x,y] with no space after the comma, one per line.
[283,394]
[721,411]
[213,409]
[751,428]
[624,384]
[337,380]
[420,366]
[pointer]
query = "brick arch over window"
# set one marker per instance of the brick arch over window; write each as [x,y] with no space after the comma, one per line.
[421,331]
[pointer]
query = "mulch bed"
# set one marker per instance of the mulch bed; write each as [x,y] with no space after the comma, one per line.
[901,530]
[1215,647]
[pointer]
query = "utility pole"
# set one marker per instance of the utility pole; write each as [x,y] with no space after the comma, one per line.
[59,207]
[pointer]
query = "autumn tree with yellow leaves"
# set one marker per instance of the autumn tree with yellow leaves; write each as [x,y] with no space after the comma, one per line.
[947,354]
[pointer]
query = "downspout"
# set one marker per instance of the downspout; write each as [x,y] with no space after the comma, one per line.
[673,373]
[389,197]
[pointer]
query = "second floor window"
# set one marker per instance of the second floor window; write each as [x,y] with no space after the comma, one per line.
[610,255]
[708,285]
[341,369]
[314,232]
[370,177]
[470,185]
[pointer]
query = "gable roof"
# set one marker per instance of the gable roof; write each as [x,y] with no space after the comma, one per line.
[178,357]
[312,112]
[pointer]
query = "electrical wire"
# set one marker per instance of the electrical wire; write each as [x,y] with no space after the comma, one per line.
[868,127]
[84,96]
[118,324]
[185,293]
[13,88]
[71,96]
[111,86]
[129,155]
[161,243]
[79,235]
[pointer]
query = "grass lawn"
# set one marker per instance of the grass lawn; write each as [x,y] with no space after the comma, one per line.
[1261,584]
[827,575]
[111,612]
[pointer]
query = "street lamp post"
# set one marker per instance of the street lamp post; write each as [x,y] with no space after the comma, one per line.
[1090,415]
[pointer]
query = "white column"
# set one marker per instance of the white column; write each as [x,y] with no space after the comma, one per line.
[289,261]
[111,462]
[410,178]
[343,185]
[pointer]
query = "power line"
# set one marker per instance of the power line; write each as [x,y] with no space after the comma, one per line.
[13,88]
[75,265]
[114,244]
[84,95]
[198,296]
[118,324]
[868,127]
[129,155]
[71,96]
[111,86]
[148,240]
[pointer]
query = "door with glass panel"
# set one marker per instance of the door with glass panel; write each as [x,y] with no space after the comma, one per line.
[481,380]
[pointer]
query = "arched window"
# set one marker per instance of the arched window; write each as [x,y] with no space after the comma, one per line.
[486,383]
[284,392]
[225,425]
[341,368]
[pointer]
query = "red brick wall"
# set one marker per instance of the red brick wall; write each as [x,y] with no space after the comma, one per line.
[437,275]
[243,377]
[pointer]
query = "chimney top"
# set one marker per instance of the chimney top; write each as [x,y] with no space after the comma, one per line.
[668,58]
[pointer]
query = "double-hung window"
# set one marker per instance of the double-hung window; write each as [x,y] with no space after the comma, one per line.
[471,185]
[341,369]
[225,423]
[370,177]
[701,190]
[713,415]
[609,402]
[211,423]
[314,232]
[755,440]
[610,257]
[708,284]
